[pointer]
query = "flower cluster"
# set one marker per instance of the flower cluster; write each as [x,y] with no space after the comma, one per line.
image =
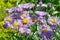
[21,19]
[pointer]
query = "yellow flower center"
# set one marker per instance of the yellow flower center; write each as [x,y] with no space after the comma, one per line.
[34,20]
[48,36]
[23,31]
[15,24]
[9,19]
[23,15]
[53,20]
[44,29]
[25,21]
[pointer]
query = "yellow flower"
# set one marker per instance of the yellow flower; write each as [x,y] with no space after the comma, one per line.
[25,21]
[34,20]
[15,24]
[53,20]
[44,29]
[23,15]
[23,31]
[9,19]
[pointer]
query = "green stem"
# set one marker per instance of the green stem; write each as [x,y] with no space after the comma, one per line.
[18,2]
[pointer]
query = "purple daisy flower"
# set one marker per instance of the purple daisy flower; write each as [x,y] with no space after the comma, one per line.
[31,5]
[9,20]
[53,20]
[24,14]
[19,9]
[42,20]
[27,5]
[34,19]
[16,24]
[44,5]
[41,13]
[41,4]
[15,16]
[48,35]
[25,22]
[11,10]
[24,30]
[54,27]
[5,25]
[44,30]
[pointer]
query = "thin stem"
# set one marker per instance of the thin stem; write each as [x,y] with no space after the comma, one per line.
[18,2]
